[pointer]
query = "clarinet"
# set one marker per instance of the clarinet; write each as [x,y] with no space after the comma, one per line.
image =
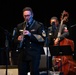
[21,42]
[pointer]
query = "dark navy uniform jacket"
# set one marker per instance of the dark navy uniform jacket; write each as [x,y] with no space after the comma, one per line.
[32,45]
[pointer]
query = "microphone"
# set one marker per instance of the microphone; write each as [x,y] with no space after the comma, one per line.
[53,27]
[53,23]
[14,32]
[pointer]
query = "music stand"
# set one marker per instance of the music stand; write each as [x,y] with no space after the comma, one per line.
[61,51]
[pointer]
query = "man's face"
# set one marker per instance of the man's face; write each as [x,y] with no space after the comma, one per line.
[27,15]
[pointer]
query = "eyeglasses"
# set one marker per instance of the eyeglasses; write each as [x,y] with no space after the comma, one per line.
[27,15]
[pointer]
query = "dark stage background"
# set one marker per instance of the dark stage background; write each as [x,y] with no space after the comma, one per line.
[11,15]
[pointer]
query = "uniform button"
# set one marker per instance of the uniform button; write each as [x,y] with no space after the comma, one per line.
[30,42]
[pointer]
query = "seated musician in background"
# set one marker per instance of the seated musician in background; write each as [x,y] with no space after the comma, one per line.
[58,32]
[54,29]
[53,37]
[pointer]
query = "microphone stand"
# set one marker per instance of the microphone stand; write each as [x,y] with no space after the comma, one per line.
[7,49]
[47,45]
[6,46]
